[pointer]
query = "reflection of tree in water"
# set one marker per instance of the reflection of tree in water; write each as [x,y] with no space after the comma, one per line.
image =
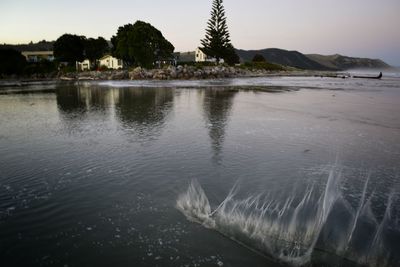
[144,110]
[80,107]
[73,108]
[75,99]
[217,106]
[71,100]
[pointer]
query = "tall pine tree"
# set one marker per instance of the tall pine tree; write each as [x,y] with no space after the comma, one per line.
[217,41]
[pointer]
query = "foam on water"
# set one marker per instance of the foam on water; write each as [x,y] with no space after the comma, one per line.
[293,229]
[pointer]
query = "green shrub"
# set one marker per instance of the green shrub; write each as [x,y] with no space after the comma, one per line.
[258,58]
[68,69]
[41,67]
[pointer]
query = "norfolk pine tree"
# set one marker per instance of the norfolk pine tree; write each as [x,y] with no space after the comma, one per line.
[217,41]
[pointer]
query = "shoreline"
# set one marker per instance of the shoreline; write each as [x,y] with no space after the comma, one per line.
[170,73]
[166,74]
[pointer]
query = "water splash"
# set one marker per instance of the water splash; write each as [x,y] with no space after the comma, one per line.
[195,206]
[377,253]
[290,230]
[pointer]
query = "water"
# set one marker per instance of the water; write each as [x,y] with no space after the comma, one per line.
[241,172]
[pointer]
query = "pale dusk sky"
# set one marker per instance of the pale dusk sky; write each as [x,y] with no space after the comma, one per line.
[362,28]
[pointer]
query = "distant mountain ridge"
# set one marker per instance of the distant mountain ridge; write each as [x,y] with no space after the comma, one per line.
[343,62]
[312,61]
[282,57]
[39,46]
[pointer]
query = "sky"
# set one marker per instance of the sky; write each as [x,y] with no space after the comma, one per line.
[360,28]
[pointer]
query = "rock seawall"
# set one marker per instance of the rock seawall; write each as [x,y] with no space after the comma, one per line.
[169,73]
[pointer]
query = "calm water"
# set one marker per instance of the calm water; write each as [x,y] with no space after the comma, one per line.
[97,174]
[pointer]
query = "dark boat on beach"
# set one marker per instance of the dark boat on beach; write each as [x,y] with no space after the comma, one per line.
[369,77]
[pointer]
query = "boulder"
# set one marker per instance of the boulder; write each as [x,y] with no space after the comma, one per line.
[119,75]
[137,74]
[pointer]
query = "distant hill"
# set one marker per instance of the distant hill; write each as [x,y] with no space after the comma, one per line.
[313,61]
[343,63]
[40,46]
[185,56]
[283,57]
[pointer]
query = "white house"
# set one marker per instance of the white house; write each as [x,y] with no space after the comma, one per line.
[84,65]
[200,56]
[37,56]
[111,62]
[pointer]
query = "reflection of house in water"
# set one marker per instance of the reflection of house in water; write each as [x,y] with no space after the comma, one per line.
[101,99]
[217,107]
[143,110]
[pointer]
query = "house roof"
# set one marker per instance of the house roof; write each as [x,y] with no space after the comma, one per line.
[105,56]
[81,62]
[37,53]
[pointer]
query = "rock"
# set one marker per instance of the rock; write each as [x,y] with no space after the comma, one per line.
[64,78]
[148,74]
[179,69]
[136,74]
[160,74]
[118,75]
[171,68]
[167,73]
[198,74]
[173,74]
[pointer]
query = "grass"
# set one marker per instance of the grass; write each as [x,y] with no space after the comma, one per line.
[261,66]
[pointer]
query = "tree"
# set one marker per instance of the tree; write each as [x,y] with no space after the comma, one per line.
[258,58]
[141,44]
[12,62]
[217,41]
[121,44]
[95,48]
[69,48]
[231,57]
